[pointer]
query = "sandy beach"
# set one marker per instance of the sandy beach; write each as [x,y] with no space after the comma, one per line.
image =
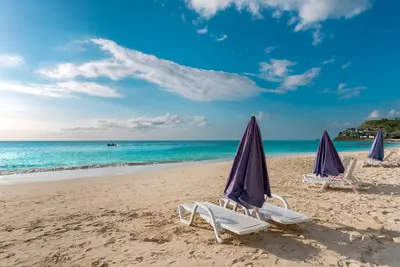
[132,220]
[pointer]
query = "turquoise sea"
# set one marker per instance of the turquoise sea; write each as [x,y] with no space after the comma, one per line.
[39,156]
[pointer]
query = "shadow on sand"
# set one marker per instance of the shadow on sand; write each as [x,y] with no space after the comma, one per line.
[371,246]
[308,242]
[371,189]
[383,189]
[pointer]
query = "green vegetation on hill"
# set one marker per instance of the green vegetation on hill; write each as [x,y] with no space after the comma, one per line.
[384,124]
[368,130]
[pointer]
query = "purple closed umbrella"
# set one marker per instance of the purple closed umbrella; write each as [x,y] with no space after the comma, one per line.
[377,150]
[248,180]
[327,161]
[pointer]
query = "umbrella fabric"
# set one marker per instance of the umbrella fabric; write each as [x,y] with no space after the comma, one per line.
[248,181]
[327,161]
[377,150]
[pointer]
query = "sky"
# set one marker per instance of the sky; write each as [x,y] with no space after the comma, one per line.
[195,69]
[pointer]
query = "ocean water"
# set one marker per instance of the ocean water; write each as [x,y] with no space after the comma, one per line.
[42,156]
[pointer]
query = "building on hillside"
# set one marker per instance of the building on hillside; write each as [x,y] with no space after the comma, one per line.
[365,133]
[394,135]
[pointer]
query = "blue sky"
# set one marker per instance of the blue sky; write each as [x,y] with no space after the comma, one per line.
[195,69]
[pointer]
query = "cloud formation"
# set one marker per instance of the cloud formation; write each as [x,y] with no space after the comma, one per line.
[62,89]
[278,70]
[317,36]
[202,31]
[329,61]
[346,65]
[263,116]
[269,49]
[346,93]
[374,114]
[141,123]
[293,81]
[198,120]
[11,61]
[84,129]
[393,113]
[306,14]
[221,38]
[188,82]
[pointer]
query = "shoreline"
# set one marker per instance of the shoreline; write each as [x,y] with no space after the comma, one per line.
[121,170]
[127,168]
[7,172]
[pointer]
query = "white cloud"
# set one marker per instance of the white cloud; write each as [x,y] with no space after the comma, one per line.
[140,123]
[329,61]
[292,21]
[62,89]
[198,120]
[346,65]
[346,93]
[261,115]
[11,61]
[83,128]
[202,31]
[277,14]
[318,37]
[278,70]
[183,17]
[188,82]
[294,81]
[308,13]
[374,115]
[393,113]
[351,94]
[221,38]
[269,49]
[341,86]
[275,70]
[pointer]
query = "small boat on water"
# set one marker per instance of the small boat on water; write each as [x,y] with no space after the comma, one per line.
[111,144]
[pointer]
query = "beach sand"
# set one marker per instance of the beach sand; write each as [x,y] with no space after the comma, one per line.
[132,220]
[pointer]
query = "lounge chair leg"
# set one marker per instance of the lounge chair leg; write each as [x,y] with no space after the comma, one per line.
[354,189]
[325,185]
[216,232]
[306,185]
[183,220]
[211,221]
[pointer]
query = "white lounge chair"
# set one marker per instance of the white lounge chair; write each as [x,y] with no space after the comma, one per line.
[378,163]
[346,160]
[345,181]
[270,212]
[220,218]
[385,163]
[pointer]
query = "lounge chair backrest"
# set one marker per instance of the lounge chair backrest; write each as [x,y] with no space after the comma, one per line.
[346,161]
[350,168]
[388,155]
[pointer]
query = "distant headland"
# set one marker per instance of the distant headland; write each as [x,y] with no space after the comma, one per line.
[368,130]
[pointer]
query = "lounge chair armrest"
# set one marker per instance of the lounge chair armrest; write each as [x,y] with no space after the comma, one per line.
[225,202]
[196,205]
[285,203]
